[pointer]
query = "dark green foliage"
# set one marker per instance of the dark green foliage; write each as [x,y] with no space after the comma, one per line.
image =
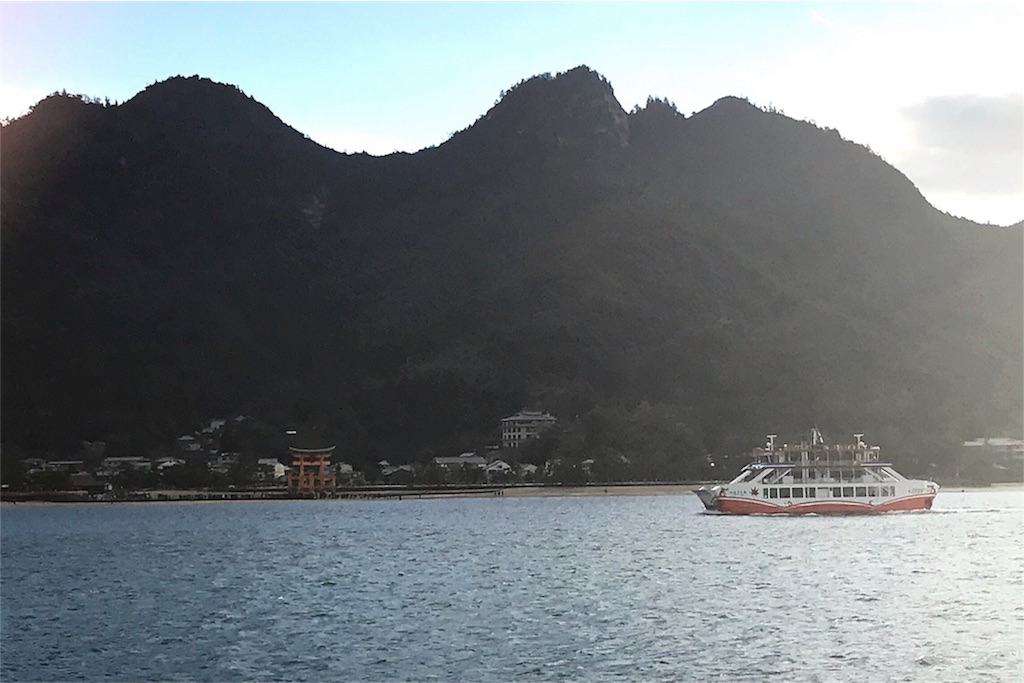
[194,475]
[133,480]
[48,481]
[12,473]
[668,287]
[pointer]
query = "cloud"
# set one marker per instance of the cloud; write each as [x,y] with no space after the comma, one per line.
[966,122]
[967,143]
[819,18]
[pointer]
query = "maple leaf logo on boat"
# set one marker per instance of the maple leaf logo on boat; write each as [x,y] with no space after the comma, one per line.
[753,492]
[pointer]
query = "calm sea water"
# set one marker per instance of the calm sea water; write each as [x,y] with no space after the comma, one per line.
[502,589]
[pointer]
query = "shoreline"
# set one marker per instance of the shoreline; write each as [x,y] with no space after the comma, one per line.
[539,491]
[214,497]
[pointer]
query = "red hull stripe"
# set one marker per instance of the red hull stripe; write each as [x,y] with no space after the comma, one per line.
[747,506]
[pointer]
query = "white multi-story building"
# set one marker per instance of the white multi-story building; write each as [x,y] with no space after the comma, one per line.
[526,424]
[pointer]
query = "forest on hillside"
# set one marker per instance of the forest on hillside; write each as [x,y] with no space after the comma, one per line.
[671,288]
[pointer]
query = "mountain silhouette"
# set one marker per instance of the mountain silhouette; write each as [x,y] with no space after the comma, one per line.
[667,286]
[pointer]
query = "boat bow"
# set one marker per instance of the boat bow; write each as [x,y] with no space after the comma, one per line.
[709,496]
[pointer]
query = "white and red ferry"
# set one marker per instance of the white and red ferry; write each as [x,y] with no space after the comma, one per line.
[818,478]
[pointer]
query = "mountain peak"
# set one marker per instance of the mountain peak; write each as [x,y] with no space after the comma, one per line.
[729,106]
[569,109]
[195,88]
[201,105]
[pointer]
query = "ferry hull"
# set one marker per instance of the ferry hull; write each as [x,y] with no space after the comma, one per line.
[748,506]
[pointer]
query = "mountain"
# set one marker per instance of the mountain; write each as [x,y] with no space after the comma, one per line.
[668,286]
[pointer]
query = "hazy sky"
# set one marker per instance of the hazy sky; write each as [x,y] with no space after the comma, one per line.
[934,88]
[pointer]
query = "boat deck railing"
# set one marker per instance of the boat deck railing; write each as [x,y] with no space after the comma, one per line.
[819,455]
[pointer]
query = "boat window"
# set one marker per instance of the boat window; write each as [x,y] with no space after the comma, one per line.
[862,491]
[810,492]
[797,493]
[773,493]
[765,490]
[847,491]
[873,491]
[837,492]
[783,493]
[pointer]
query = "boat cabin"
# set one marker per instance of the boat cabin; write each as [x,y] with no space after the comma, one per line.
[819,470]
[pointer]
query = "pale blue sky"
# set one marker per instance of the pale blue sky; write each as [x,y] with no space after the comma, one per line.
[935,88]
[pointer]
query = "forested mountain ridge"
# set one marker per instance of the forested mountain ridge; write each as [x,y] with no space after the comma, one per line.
[667,286]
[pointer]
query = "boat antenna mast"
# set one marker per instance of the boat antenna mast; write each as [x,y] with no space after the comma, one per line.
[816,438]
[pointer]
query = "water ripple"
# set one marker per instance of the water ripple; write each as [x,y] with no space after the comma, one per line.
[545,589]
